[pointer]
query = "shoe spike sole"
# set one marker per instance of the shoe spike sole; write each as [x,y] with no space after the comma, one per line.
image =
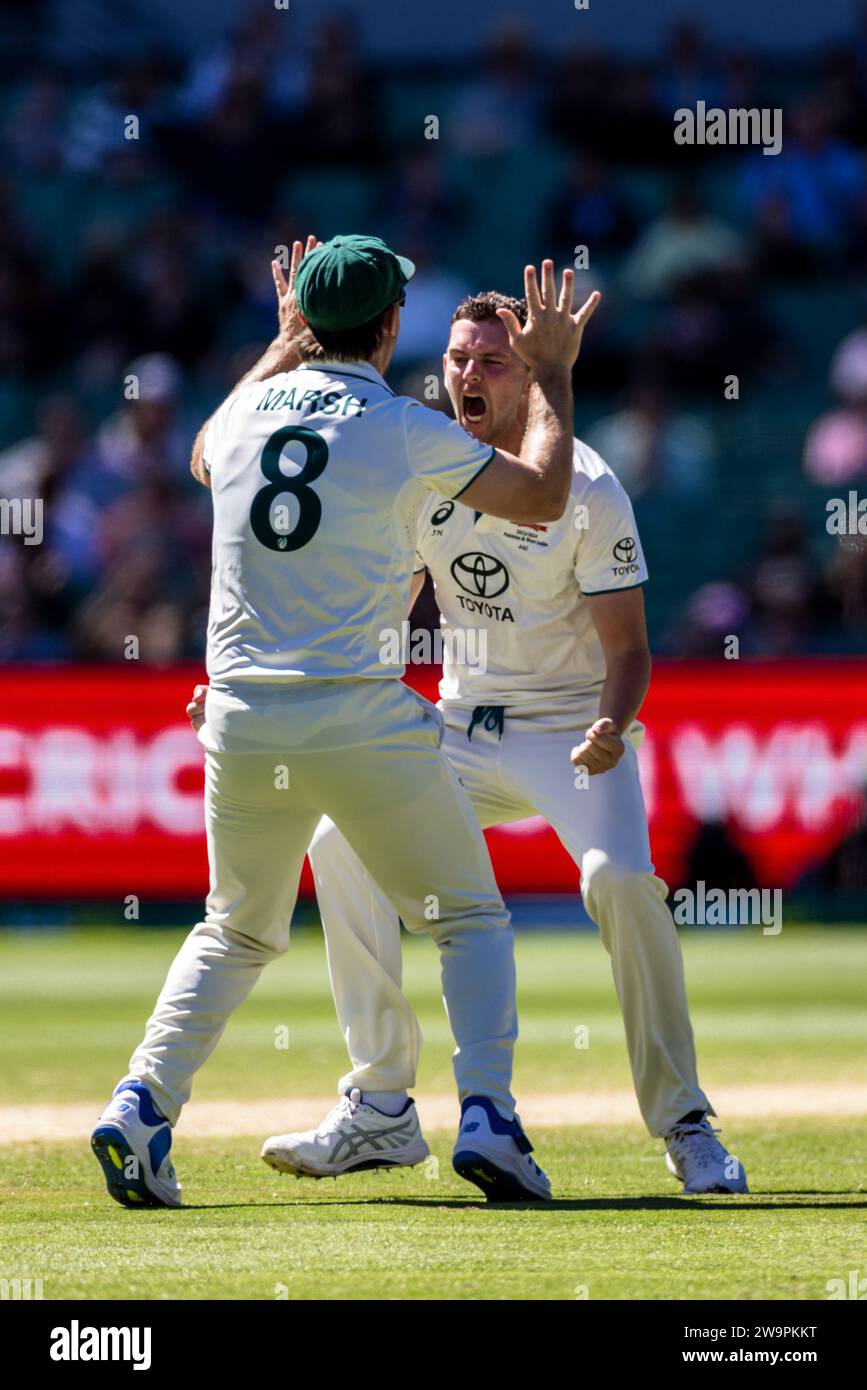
[113,1152]
[488,1178]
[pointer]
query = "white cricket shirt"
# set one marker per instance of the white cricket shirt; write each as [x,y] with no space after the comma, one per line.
[317,478]
[526,587]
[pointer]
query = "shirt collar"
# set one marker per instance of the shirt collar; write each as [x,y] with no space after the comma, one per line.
[351,369]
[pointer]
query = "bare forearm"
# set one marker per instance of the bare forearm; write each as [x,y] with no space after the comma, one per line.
[415,588]
[548,440]
[626,684]
[280,356]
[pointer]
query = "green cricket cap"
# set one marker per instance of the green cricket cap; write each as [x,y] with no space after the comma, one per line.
[348,281]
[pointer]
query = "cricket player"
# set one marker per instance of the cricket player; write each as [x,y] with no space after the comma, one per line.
[318,472]
[548,728]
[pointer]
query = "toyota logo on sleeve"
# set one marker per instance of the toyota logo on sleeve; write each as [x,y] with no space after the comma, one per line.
[481,575]
[626,551]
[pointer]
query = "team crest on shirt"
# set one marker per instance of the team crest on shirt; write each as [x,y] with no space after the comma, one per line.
[528,535]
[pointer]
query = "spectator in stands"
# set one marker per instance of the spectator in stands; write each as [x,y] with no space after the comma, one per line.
[340,122]
[741,81]
[99,141]
[187,286]
[845,578]
[716,327]
[714,612]
[789,603]
[182,305]
[231,162]
[500,109]
[58,465]
[636,130]
[129,604]
[654,448]
[143,441]
[106,305]
[684,242]
[33,134]
[32,341]
[260,49]
[588,211]
[835,451]
[431,297]
[807,204]
[689,74]
[420,206]
[579,100]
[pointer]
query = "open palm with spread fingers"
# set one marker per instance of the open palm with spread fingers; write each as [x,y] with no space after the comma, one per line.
[288,316]
[552,334]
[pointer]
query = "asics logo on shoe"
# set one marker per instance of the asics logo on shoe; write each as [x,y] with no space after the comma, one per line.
[354,1141]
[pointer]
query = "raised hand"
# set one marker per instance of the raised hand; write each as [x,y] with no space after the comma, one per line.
[288,317]
[552,334]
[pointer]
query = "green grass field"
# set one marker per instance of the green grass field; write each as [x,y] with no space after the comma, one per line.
[783,1012]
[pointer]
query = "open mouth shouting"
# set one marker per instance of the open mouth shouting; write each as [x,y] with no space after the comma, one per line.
[474,409]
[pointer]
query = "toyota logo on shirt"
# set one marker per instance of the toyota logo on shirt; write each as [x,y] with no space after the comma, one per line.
[481,575]
[626,551]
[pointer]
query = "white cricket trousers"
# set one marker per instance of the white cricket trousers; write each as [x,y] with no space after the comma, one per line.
[401,808]
[603,826]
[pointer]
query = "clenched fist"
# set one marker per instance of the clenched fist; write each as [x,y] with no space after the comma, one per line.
[601,750]
[196,707]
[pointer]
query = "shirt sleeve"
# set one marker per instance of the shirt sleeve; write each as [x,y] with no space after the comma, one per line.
[608,553]
[216,431]
[441,453]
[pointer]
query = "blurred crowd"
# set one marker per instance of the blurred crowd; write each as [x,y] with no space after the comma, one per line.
[135,289]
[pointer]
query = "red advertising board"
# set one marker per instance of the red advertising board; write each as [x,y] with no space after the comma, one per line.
[101,776]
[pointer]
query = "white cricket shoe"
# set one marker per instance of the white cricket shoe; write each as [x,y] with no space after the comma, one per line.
[698,1159]
[352,1137]
[132,1141]
[495,1153]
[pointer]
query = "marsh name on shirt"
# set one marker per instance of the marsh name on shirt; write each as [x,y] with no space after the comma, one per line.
[342,403]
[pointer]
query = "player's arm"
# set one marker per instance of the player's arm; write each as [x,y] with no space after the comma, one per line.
[618,618]
[281,355]
[415,588]
[535,485]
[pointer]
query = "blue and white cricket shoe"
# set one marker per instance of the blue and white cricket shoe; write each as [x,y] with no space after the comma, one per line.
[132,1140]
[495,1153]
